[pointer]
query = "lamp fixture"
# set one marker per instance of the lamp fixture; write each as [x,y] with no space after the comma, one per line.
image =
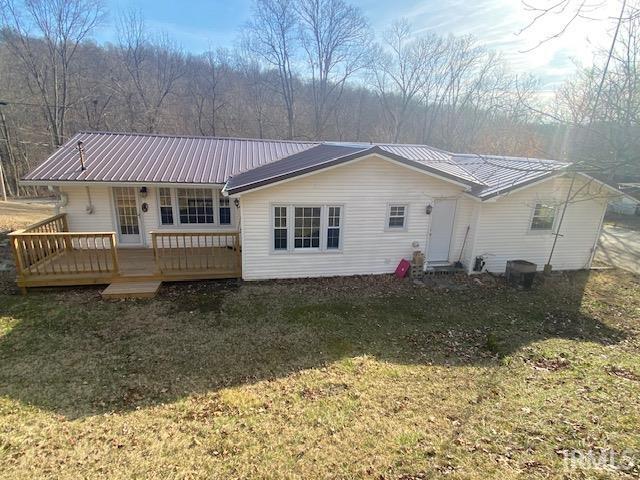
[429,209]
[236,202]
[143,192]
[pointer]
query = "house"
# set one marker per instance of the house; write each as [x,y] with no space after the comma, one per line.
[144,207]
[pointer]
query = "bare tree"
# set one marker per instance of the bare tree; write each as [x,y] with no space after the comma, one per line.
[45,35]
[271,34]
[337,41]
[399,75]
[153,67]
[211,72]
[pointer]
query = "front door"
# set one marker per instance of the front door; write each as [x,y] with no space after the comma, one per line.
[127,216]
[442,216]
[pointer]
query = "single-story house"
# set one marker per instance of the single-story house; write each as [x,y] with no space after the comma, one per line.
[168,207]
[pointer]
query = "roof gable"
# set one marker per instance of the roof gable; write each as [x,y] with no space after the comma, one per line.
[330,155]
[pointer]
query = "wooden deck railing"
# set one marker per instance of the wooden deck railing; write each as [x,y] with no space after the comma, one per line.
[46,248]
[179,252]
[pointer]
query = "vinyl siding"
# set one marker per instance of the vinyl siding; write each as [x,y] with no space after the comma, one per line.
[364,188]
[101,220]
[504,234]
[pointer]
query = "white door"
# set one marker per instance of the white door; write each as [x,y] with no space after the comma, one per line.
[442,216]
[127,215]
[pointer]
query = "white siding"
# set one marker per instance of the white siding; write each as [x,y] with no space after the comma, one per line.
[503,228]
[364,188]
[101,220]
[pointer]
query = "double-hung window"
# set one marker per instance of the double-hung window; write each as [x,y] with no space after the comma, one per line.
[166,206]
[224,208]
[280,229]
[333,228]
[306,227]
[397,218]
[544,216]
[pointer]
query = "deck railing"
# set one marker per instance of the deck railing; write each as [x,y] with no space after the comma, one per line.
[179,252]
[46,248]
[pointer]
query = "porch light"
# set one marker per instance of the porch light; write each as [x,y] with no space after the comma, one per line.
[236,202]
[143,192]
[429,209]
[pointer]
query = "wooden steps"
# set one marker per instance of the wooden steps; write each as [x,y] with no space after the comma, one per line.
[147,289]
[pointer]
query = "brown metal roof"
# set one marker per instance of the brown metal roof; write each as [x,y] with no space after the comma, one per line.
[148,158]
[247,163]
[330,154]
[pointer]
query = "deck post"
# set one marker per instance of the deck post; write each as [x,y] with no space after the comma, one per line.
[114,253]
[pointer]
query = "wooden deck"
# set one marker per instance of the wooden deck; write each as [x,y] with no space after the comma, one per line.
[47,254]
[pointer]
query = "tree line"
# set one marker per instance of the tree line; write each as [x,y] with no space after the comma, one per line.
[300,69]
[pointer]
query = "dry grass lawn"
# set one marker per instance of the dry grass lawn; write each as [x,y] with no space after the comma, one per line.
[341,378]
[15,215]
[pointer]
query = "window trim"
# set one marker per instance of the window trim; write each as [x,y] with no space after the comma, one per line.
[538,231]
[404,227]
[324,221]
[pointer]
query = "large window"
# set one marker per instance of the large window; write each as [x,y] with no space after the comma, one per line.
[195,205]
[544,216]
[397,216]
[307,227]
[311,228]
[166,206]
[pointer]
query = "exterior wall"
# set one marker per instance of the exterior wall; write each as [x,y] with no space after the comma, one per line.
[364,188]
[503,231]
[101,220]
[103,217]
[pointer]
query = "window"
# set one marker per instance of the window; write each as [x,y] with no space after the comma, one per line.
[397,214]
[307,227]
[166,207]
[333,228]
[543,218]
[225,210]
[195,205]
[280,228]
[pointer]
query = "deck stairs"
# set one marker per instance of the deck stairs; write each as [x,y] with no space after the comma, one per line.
[131,289]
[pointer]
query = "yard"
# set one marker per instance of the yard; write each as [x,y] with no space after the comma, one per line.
[339,378]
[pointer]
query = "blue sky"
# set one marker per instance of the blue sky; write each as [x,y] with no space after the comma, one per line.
[198,25]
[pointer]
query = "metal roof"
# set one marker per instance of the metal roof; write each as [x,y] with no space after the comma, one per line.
[330,154]
[501,174]
[149,158]
[248,163]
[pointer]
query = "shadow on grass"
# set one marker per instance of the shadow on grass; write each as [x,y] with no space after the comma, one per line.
[71,353]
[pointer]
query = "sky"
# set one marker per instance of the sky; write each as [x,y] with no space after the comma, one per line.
[199,25]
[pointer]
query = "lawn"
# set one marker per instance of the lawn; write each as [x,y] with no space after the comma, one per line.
[343,378]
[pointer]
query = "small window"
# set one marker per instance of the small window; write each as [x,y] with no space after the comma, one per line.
[225,210]
[280,228]
[397,214]
[333,228]
[544,216]
[307,227]
[195,205]
[166,207]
